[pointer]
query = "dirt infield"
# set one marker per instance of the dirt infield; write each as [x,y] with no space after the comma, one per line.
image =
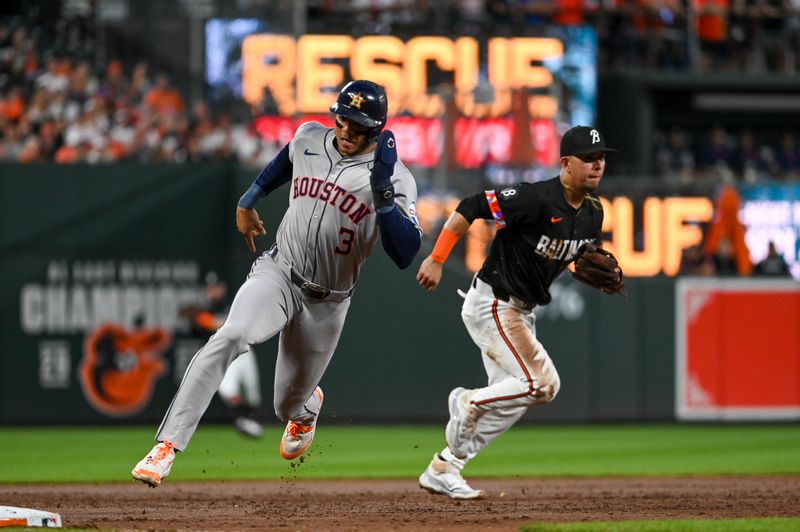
[401,505]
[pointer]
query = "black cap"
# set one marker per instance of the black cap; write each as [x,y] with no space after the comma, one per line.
[581,140]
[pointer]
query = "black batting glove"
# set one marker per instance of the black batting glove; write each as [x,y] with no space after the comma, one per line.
[380,179]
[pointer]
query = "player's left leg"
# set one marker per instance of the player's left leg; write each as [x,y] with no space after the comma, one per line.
[305,349]
[443,476]
[520,374]
[519,370]
[263,305]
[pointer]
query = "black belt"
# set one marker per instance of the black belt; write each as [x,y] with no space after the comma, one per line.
[502,295]
[309,289]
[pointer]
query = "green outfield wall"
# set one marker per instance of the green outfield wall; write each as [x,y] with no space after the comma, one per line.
[97,260]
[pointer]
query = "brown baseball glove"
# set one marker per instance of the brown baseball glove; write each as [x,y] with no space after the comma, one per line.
[599,268]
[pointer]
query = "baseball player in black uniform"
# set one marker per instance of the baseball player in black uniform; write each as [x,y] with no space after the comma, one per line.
[540,228]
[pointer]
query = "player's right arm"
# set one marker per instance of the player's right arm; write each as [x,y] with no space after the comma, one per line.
[430,272]
[456,226]
[250,225]
[278,172]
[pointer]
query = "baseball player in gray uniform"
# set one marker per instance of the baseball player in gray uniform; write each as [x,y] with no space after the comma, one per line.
[347,189]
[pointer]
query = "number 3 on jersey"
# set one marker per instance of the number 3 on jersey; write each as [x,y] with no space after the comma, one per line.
[346,246]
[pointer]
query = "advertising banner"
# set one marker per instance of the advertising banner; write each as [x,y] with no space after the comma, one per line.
[771,213]
[92,292]
[737,349]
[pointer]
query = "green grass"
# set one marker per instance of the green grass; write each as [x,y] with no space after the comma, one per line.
[103,454]
[768,524]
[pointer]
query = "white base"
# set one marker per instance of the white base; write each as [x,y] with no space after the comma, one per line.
[13,516]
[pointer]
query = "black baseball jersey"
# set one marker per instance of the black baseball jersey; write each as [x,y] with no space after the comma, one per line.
[538,234]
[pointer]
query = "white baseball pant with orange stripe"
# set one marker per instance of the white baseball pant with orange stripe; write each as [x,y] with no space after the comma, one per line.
[520,371]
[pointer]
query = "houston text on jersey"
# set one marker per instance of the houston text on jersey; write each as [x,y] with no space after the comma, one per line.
[332,193]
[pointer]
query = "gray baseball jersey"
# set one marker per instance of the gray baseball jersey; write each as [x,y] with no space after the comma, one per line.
[328,231]
[330,227]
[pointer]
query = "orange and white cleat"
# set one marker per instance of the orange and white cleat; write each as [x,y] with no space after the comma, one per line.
[155,467]
[297,437]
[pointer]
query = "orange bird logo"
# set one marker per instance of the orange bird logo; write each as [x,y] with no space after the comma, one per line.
[120,367]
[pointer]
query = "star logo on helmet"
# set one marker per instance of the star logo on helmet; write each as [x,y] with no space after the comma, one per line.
[356,100]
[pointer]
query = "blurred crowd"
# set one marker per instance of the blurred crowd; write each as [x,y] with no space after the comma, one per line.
[731,157]
[726,252]
[57,105]
[699,261]
[679,34]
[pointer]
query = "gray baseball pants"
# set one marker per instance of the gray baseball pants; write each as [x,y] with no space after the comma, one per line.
[267,303]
